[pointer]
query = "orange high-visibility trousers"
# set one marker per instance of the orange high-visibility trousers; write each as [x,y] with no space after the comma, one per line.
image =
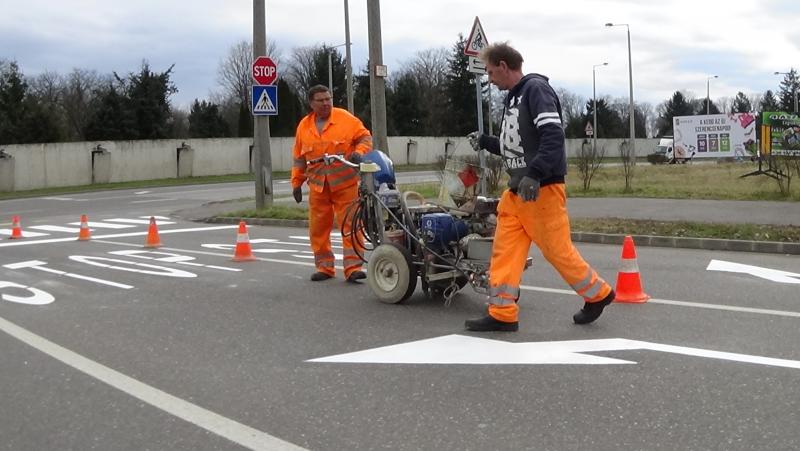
[324,208]
[546,223]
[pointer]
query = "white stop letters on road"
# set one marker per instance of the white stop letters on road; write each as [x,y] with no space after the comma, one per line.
[38,297]
[154,270]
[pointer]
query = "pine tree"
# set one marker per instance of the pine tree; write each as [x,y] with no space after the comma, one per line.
[741,104]
[676,106]
[460,92]
[769,102]
[205,121]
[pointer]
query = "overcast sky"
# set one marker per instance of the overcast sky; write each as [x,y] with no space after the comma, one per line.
[676,44]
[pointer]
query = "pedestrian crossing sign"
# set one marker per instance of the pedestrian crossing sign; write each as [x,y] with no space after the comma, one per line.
[265,100]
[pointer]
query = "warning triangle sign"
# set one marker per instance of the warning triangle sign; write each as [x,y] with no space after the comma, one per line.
[477,39]
[264,104]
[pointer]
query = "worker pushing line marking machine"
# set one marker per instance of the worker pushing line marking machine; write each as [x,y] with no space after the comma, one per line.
[445,247]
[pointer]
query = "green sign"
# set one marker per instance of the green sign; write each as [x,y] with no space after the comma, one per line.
[784,132]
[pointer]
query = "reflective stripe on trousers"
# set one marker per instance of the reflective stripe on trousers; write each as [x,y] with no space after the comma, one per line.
[544,222]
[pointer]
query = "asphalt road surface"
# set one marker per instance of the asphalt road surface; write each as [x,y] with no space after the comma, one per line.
[108,345]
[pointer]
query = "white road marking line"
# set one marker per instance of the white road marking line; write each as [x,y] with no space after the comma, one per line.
[703,305]
[25,233]
[215,423]
[138,221]
[65,198]
[141,192]
[54,228]
[103,225]
[155,217]
[151,200]
[117,235]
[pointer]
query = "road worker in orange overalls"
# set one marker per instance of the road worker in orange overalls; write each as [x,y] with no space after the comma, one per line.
[533,209]
[332,187]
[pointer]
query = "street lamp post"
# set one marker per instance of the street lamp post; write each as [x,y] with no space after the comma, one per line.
[630,86]
[594,107]
[794,89]
[349,63]
[708,93]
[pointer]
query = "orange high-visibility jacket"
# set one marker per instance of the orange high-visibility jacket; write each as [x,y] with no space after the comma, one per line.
[343,134]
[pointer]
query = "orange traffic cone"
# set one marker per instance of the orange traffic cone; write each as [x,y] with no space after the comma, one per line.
[16,230]
[153,239]
[629,285]
[85,234]
[243,252]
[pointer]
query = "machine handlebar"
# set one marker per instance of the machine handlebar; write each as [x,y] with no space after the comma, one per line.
[328,159]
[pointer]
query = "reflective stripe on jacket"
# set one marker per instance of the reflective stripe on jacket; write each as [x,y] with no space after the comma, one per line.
[343,134]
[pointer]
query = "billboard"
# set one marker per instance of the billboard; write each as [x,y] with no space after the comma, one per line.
[714,135]
[784,132]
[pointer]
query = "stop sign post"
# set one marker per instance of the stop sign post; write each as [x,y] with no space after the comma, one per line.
[264,71]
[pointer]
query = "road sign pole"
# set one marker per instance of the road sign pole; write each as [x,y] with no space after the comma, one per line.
[481,152]
[262,155]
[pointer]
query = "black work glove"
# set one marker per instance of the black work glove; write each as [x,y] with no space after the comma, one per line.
[298,194]
[355,158]
[528,188]
[474,139]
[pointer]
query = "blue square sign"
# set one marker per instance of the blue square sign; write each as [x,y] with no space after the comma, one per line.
[265,100]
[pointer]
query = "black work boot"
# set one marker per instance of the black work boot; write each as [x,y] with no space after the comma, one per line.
[489,324]
[317,276]
[591,311]
[355,276]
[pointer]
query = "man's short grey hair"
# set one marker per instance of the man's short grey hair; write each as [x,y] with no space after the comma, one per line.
[315,90]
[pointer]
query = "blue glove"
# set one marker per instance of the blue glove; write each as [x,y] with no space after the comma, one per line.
[528,188]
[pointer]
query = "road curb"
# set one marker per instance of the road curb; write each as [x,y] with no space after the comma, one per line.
[710,244]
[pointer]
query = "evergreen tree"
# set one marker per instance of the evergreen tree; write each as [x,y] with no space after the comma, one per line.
[789,87]
[707,105]
[205,121]
[404,109]
[741,104]
[290,111]
[244,125]
[361,97]
[460,91]
[111,118]
[769,102]
[676,106]
[23,117]
[147,94]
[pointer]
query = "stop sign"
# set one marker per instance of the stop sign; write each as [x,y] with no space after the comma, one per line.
[264,71]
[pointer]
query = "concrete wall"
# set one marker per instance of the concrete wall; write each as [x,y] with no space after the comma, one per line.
[33,166]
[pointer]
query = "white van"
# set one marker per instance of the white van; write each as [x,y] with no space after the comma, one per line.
[665,147]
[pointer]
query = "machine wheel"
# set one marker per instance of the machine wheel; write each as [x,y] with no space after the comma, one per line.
[391,273]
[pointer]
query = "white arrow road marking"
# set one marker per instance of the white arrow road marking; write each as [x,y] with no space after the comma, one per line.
[465,350]
[774,275]
[117,235]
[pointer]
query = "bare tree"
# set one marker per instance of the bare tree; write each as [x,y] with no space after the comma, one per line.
[724,104]
[79,91]
[302,67]
[572,105]
[588,161]
[628,164]
[755,99]
[429,68]
[234,73]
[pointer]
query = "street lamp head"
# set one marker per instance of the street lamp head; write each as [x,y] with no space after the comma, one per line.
[609,24]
